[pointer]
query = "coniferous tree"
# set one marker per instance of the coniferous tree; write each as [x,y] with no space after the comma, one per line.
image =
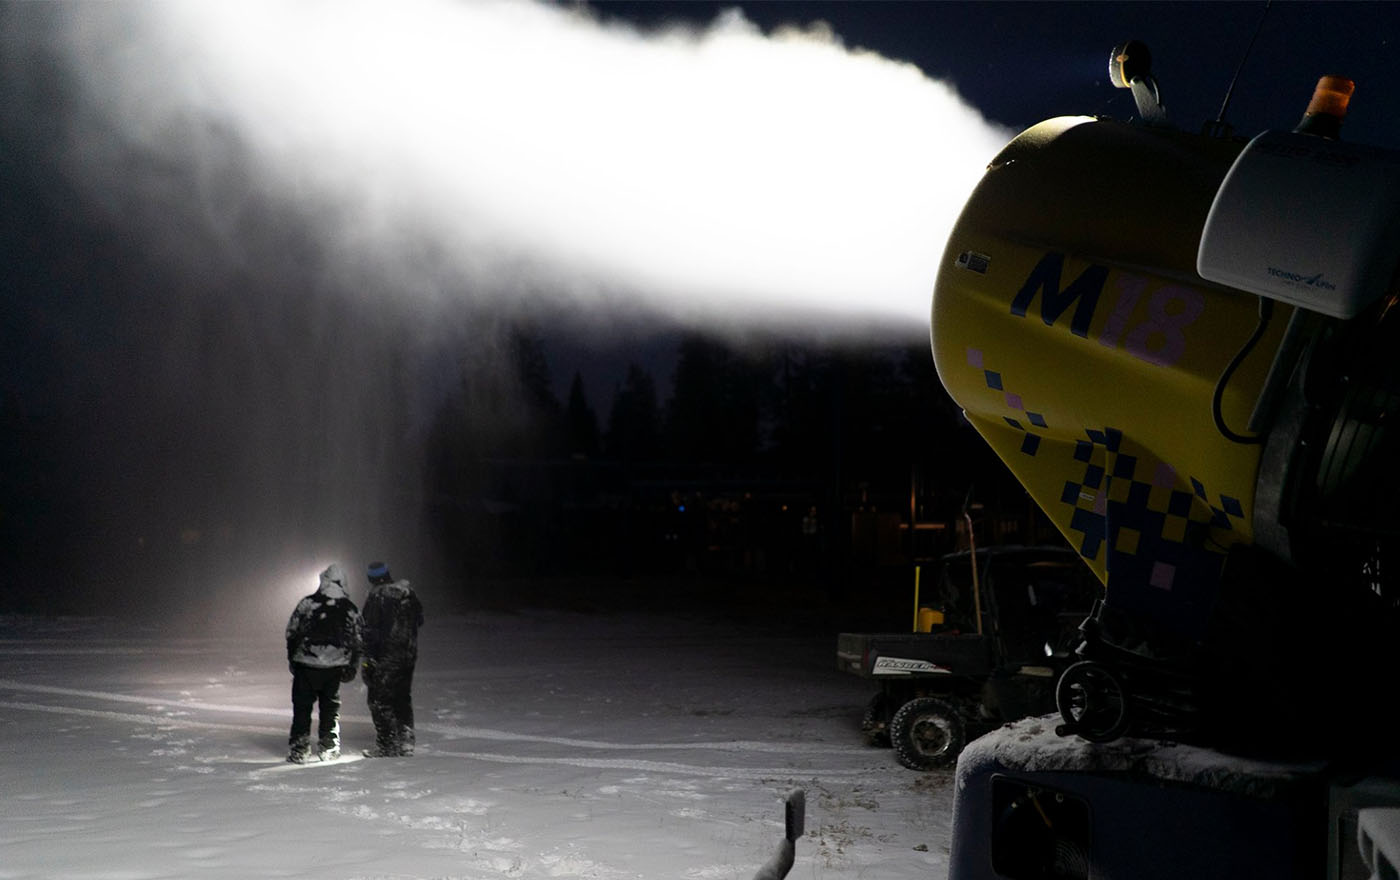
[581,422]
[540,426]
[801,409]
[532,370]
[715,408]
[634,432]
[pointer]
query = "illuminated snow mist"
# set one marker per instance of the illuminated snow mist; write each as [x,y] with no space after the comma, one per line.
[253,241]
[716,177]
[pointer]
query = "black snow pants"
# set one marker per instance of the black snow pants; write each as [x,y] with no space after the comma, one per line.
[313,685]
[391,706]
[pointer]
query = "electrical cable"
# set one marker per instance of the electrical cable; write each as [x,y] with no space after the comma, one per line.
[1266,313]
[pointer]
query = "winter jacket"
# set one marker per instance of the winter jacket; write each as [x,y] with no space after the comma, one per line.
[392,617]
[325,630]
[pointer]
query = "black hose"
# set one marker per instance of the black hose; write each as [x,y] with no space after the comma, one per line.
[1266,313]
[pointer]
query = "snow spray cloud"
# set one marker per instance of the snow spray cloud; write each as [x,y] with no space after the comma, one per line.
[714,177]
[266,224]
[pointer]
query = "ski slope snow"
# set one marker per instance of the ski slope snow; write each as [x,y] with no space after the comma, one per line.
[551,744]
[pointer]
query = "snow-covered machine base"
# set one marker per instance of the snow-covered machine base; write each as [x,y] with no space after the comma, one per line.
[1031,804]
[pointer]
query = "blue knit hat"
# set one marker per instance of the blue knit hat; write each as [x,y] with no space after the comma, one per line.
[378,571]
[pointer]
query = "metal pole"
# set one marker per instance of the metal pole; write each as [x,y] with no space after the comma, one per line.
[916,598]
[976,585]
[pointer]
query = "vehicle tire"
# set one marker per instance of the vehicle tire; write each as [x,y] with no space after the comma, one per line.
[1092,702]
[874,723]
[927,733]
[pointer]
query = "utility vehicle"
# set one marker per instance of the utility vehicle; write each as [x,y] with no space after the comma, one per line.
[999,633]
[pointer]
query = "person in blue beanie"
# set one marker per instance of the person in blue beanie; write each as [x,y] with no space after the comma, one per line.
[392,617]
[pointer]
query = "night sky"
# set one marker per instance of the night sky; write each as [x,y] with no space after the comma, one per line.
[191,361]
[1020,63]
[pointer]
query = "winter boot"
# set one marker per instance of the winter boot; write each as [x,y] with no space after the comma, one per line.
[299,750]
[380,752]
[385,746]
[328,749]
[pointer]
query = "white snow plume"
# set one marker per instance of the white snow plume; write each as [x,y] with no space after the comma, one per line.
[720,178]
[260,242]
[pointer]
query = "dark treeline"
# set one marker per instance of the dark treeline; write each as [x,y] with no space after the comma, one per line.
[177,419]
[783,464]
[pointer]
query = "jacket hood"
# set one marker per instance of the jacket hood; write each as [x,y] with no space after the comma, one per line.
[333,582]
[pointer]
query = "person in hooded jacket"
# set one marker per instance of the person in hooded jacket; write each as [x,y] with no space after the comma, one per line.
[392,617]
[324,643]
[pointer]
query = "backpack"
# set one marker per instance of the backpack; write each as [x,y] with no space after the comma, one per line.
[326,624]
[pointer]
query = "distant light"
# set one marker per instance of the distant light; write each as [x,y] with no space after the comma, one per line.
[681,508]
[302,582]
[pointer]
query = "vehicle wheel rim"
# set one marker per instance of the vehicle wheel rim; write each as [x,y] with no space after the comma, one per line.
[932,736]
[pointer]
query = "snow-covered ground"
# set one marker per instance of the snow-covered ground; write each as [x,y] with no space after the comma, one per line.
[551,744]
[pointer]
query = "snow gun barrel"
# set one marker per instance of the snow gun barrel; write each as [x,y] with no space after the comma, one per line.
[1183,346]
[1179,344]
